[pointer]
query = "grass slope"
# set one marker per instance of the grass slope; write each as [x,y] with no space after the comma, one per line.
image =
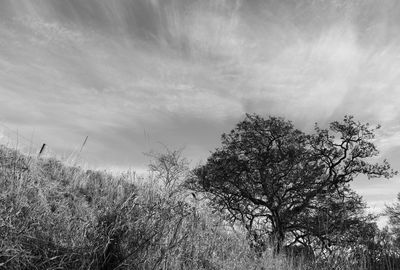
[58,217]
[54,216]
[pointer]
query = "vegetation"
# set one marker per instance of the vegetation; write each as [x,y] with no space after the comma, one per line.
[271,197]
[58,217]
[393,212]
[290,186]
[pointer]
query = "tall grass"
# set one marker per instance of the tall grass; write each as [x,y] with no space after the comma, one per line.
[54,216]
[59,217]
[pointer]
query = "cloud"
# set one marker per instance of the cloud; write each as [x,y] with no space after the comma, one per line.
[131,74]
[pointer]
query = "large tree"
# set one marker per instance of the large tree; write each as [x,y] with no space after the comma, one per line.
[273,177]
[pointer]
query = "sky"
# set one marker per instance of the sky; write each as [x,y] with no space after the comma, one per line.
[137,75]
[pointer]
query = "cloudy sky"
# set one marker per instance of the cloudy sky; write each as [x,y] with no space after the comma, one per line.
[135,74]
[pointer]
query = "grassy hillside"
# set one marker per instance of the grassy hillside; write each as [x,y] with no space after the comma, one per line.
[57,217]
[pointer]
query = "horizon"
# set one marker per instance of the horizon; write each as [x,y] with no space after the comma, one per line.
[136,75]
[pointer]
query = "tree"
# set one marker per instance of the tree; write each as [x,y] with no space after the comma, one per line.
[170,167]
[332,222]
[393,212]
[273,177]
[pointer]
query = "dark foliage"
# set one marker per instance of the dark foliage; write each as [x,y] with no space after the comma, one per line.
[279,181]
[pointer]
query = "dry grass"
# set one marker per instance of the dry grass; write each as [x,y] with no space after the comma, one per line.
[57,217]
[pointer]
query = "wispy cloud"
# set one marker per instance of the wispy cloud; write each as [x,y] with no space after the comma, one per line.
[132,73]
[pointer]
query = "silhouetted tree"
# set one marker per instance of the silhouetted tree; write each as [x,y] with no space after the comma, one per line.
[273,177]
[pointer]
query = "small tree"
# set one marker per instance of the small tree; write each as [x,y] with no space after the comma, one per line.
[272,177]
[393,212]
[170,167]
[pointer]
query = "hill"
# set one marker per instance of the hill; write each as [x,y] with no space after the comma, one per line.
[59,217]
[54,216]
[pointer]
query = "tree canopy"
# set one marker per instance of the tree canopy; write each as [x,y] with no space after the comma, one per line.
[293,187]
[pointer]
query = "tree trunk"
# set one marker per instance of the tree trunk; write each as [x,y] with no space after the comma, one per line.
[278,234]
